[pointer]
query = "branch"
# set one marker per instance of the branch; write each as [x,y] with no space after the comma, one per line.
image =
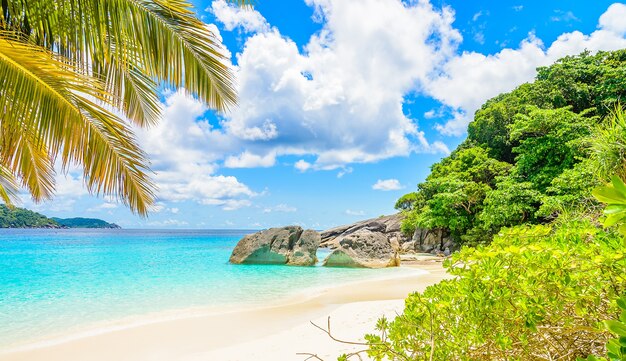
[311,356]
[328,332]
[356,353]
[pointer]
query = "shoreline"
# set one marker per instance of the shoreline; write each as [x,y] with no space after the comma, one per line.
[192,332]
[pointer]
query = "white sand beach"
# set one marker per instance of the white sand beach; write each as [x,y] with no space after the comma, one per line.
[271,333]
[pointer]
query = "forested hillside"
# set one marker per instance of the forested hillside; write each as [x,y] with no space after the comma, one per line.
[530,155]
[79,222]
[16,217]
[23,218]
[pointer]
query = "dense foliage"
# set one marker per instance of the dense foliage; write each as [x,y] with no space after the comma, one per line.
[530,154]
[536,293]
[541,270]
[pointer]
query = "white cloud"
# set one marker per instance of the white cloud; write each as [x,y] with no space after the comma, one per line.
[330,100]
[344,171]
[565,16]
[479,37]
[354,213]
[470,79]
[387,185]
[184,150]
[614,19]
[280,208]
[302,165]
[249,160]
[104,206]
[233,16]
[168,223]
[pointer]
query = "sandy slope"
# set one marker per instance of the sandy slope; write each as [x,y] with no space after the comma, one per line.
[272,333]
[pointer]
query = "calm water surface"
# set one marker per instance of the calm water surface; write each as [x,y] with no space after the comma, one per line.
[55,281]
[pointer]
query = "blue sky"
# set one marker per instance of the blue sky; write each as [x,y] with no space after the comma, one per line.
[344,106]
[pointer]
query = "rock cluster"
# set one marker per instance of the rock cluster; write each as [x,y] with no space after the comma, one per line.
[363,248]
[436,242]
[388,226]
[373,243]
[287,245]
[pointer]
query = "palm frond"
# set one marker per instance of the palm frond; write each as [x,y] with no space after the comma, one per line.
[62,107]
[161,39]
[177,48]
[8,187]
[71,64]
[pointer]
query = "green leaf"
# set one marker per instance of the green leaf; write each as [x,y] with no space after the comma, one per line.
[615,208]
[613,219]
[608,194]
[616,327]
[619,185]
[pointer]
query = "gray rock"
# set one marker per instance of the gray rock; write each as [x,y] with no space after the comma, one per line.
[408,246]
[387,225]
[304,249]
[284,245]
[363,248]
[394,243]
[446,251]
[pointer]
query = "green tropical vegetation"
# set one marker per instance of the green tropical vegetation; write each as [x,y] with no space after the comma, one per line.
[79,222]
[535,198]
[23,218]
[531,155]
[73,73]
[15,217]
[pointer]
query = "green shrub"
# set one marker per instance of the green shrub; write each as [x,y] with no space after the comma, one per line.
[535,293]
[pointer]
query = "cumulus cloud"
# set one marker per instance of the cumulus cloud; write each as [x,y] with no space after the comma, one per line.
[387,185]
[340,99]
[233,17]
[302,165]
[329,100]
[184,150]
[465,91]
[354,213]
[614,19]
[249,160]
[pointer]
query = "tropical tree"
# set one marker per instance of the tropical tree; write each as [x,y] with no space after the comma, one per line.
[74,75]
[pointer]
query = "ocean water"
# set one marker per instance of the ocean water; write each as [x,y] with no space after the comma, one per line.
[58,281]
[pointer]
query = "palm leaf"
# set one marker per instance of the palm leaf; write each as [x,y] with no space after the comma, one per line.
[8,186]
[64,111]
[70,63]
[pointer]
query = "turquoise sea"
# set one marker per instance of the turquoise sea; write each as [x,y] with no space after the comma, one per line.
[54,282]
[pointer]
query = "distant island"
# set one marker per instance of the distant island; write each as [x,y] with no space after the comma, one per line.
[24,218]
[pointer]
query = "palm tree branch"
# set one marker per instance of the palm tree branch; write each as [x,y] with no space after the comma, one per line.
[65,112]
